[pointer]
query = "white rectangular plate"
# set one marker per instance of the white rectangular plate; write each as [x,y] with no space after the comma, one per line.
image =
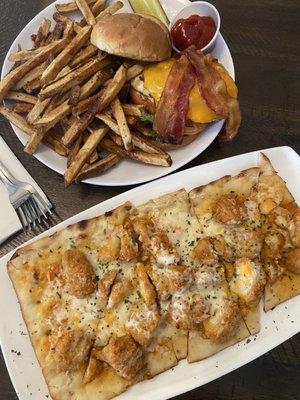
[276,326]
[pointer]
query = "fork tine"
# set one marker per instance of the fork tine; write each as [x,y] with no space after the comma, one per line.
[42,204]
[27,216]
[31,210]
[22,218]
[36,208]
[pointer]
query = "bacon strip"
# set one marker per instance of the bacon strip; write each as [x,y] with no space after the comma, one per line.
[170,116]
[214,92]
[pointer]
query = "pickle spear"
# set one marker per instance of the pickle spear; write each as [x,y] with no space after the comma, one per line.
[151,7]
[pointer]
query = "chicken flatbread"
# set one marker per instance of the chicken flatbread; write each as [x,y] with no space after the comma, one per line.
[120,298]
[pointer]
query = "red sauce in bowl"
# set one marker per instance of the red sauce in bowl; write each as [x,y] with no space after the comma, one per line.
[194,30]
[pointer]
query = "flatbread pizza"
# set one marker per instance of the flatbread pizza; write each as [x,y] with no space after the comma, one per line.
[120,298]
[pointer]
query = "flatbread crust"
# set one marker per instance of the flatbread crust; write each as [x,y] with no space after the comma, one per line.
[200,348]
[285,288]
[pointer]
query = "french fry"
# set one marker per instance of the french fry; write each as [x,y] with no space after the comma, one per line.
[65,56]
[122,123]
[98,6]
[97,168]
[37,110]
[74,150]
[134,71]
[64,123]
[74,96]
[70,7]
[20,96]
[66,22]
[56,34]
[86,12]
[22,124]
[74,78]
[142,143]
[51,141]
[35,73]
[17,120]
[54,116]
[109,93]
[138,140]
[94,83]
[84,55]
[42,105]
[85,104]
[10,80]
[33,86]
[116,139]
[110,10]
[22,108]
[133,110]
[131,120]
[43,125]
[24,55]
[84,154]
[42,33]
[163,160]
[94,156]
[145,130]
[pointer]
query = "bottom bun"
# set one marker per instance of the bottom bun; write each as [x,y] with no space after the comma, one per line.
[187,139]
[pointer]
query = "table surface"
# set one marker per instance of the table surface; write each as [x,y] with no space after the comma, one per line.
[263,36]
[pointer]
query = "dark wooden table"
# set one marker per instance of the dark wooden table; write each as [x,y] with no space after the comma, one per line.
[263,36]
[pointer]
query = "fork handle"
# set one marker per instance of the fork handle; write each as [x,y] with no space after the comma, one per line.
[5,175]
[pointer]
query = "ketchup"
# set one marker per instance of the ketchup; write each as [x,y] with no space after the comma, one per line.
[194,30]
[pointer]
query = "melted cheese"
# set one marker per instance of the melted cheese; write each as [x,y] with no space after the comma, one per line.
[155,78]
[247,279]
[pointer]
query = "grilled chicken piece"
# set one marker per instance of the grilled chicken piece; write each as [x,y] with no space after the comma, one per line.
[204,253]
[124,355]
[208,275]
[146,288]
[155,242]
[129,248]
[78,274]
[179,277]
[245,242]
[142,323]
[229,209]
[93,368]
[273,245]
[223,250]
[119,291]
[160,281]
[188,310]
[225,319]
[105,283]
[71,349]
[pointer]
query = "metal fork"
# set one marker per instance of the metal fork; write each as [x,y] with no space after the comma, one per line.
[28,203]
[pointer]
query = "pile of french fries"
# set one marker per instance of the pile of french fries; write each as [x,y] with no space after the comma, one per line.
[72,97]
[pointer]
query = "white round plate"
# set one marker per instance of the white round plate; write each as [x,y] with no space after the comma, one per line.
[127,172]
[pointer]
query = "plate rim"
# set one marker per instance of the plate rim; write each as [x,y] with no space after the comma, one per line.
[161,171]
[130,195]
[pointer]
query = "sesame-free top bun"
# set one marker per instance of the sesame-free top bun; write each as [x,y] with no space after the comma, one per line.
[135,36]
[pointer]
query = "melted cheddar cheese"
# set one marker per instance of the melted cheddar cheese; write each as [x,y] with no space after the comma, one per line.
[155,78]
